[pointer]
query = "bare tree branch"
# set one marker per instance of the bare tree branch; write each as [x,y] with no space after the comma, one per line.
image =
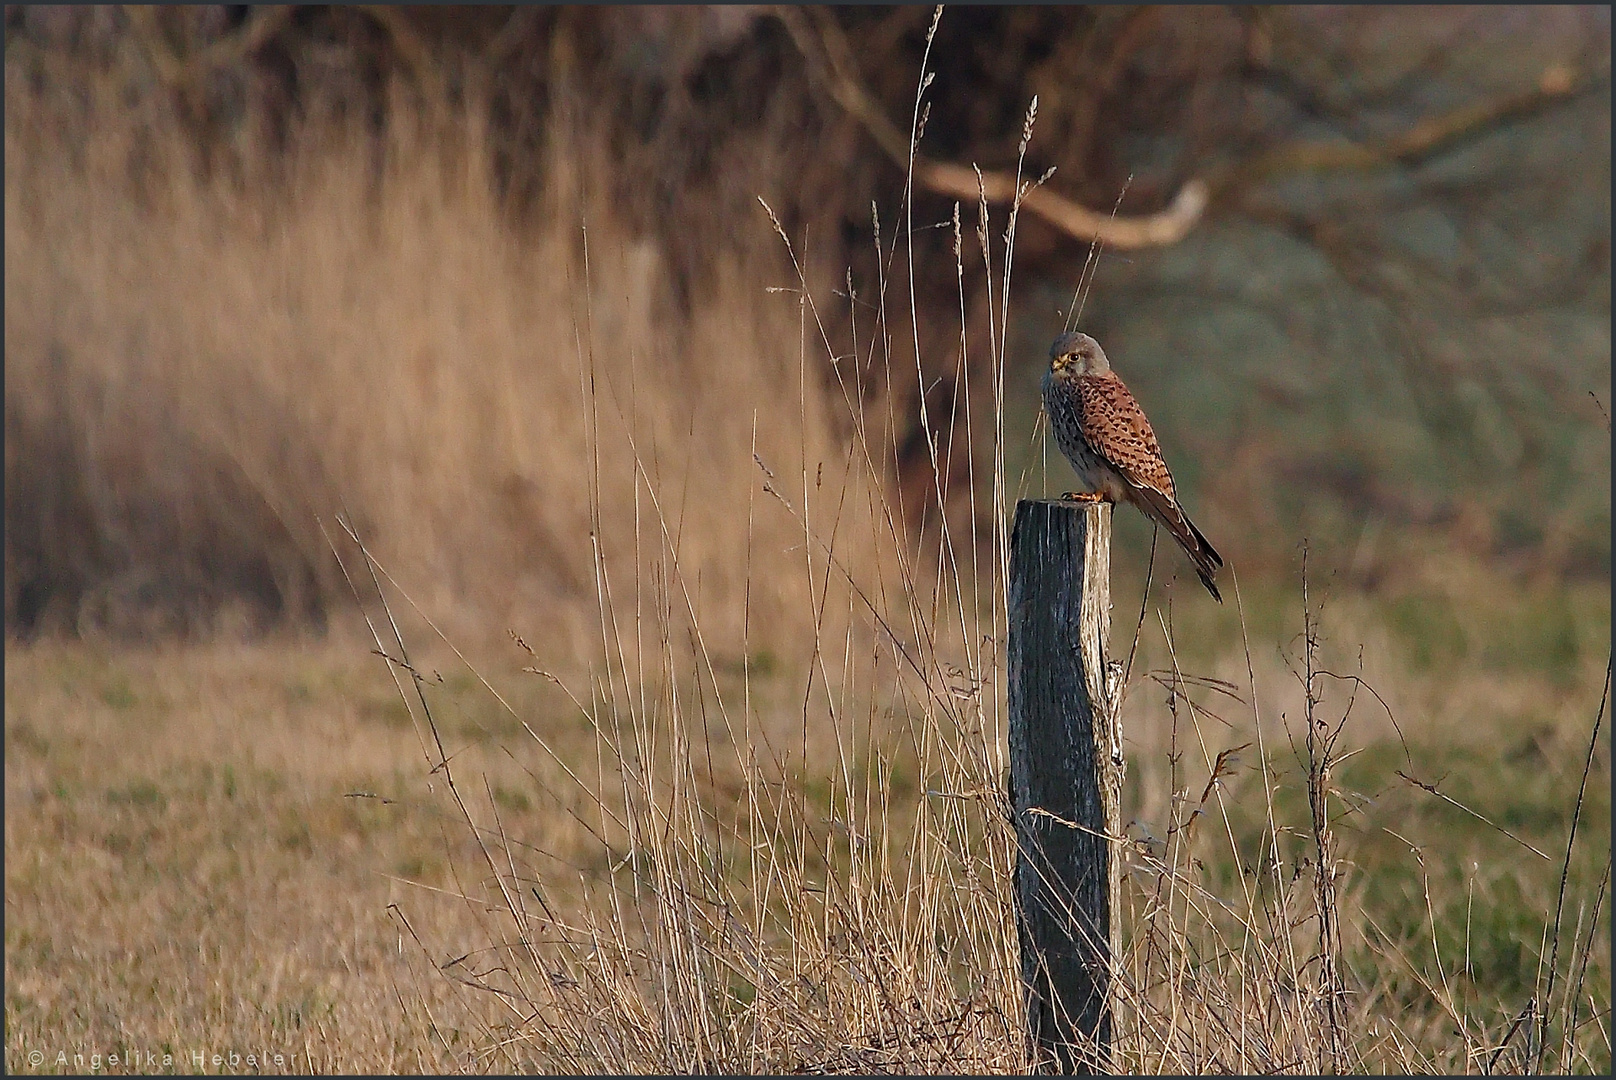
[829,57]
[1428,137]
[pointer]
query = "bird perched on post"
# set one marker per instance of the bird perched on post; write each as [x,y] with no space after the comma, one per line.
[1103,432]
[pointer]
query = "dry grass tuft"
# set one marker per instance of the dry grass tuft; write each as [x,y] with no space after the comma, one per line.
[202,364]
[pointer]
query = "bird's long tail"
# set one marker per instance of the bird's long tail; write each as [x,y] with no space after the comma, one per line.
[1166,511]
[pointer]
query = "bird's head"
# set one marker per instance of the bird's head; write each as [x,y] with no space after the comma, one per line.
[1077,354]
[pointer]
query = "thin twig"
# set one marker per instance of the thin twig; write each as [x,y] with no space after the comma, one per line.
[1565,866]
[1484,819]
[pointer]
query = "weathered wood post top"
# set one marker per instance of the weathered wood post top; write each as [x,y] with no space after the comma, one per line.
[1065,779]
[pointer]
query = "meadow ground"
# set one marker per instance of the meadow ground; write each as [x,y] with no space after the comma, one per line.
[234,849]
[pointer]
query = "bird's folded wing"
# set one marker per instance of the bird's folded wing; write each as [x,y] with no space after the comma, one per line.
[1115,427]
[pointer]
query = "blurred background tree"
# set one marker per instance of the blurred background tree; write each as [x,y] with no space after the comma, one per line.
[1389,324]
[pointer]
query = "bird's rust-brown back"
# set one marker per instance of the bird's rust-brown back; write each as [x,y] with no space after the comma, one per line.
[1116,428]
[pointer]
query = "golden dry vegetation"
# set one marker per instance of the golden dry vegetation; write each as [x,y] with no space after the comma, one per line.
[204,371]
[747,812]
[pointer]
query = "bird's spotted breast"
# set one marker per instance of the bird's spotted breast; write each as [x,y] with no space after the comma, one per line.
[1064,407]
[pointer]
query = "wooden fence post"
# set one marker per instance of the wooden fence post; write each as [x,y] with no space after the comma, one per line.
[1065,779]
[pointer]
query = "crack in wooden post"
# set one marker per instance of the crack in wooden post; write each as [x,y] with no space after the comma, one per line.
[1065,780]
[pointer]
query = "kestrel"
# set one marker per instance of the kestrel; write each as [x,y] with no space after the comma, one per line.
[1103,432]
